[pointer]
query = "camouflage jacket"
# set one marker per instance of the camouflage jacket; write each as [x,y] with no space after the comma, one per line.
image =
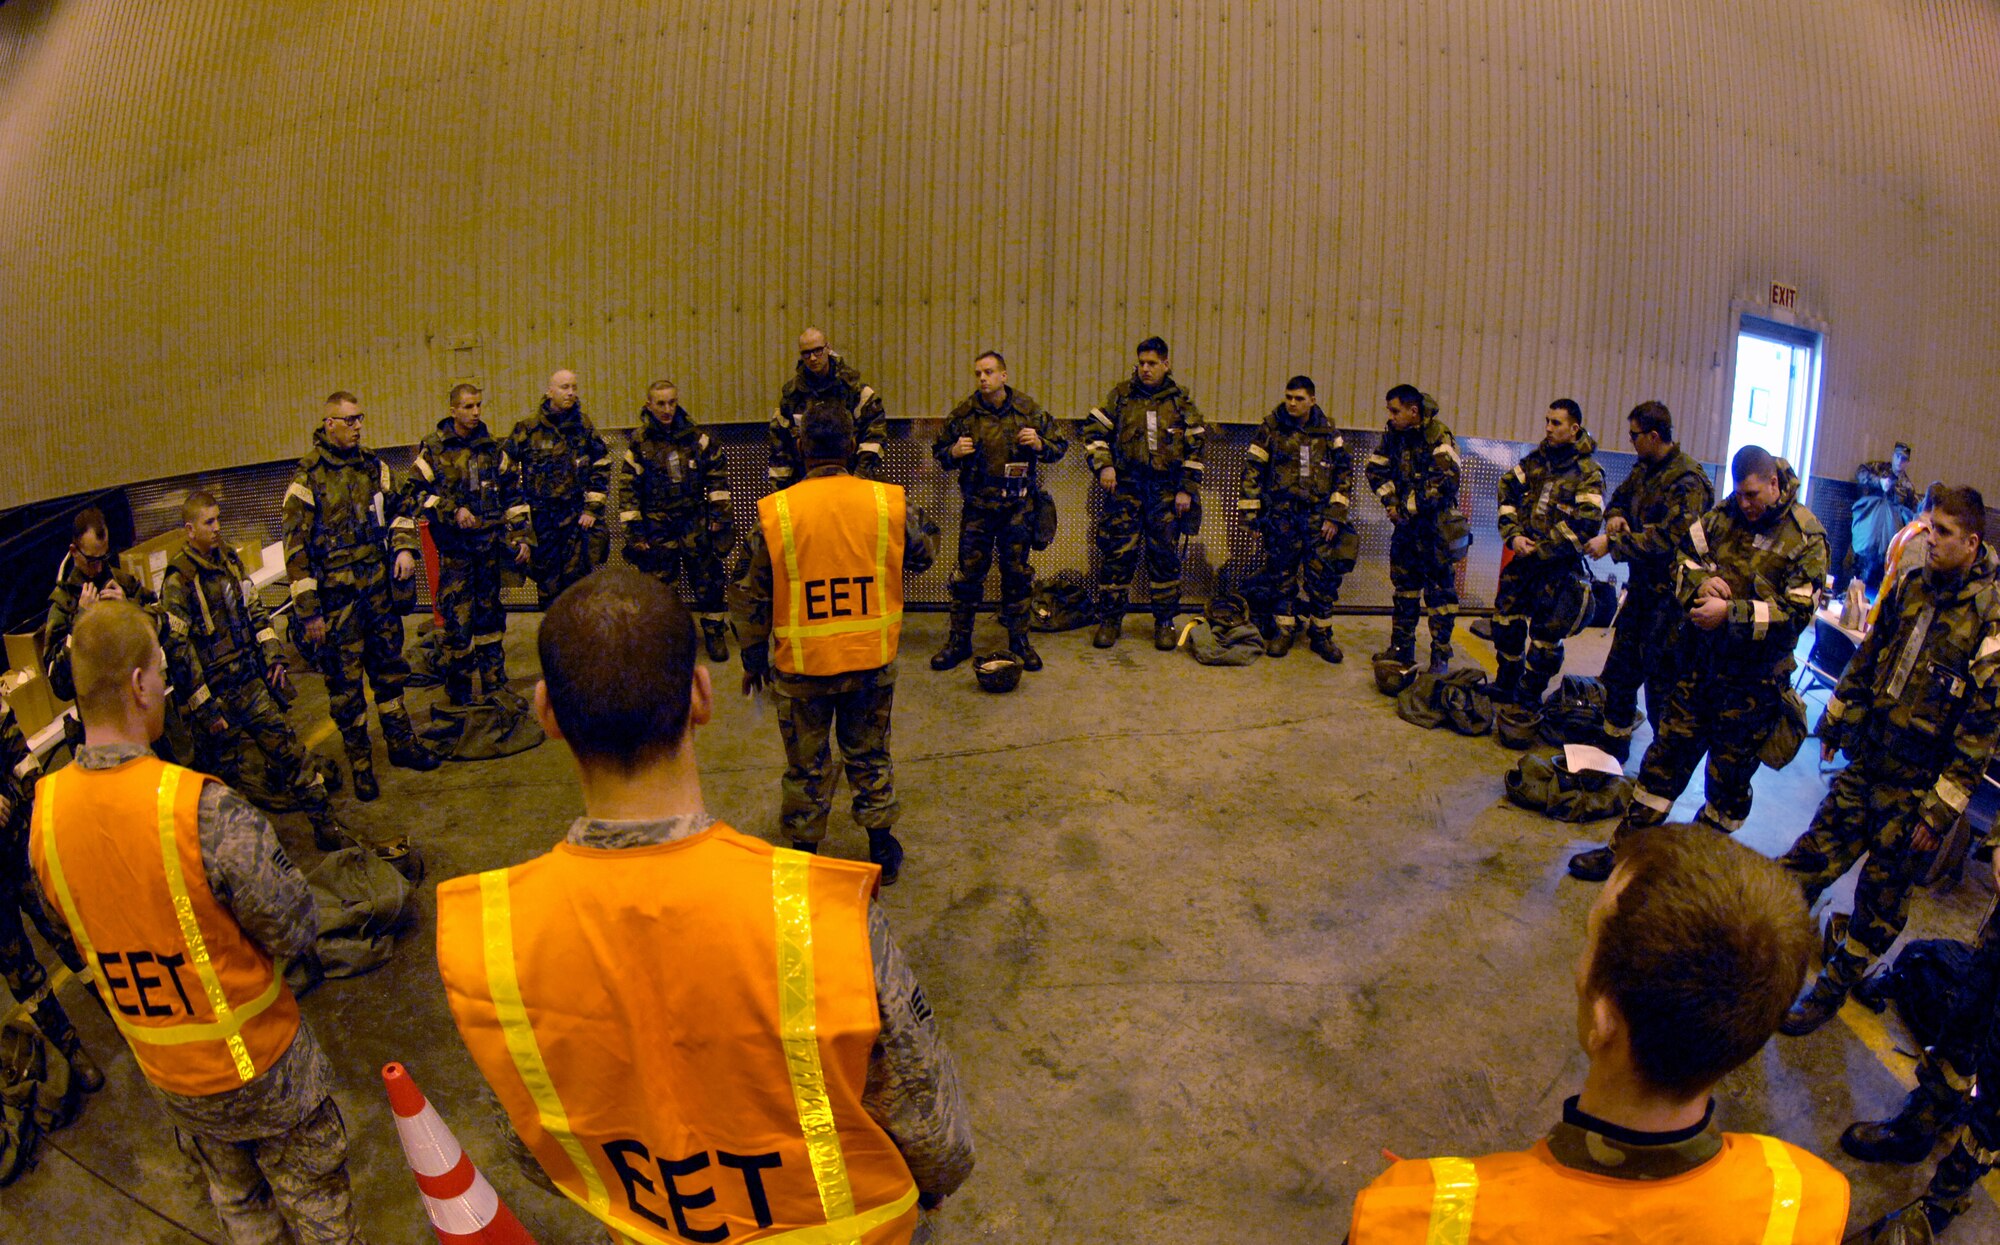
[341,510]
[983,474]
[565,469]
[218,631]
[1302,465]
[841,384]
[1773,568]
[452,473]
[1658,502]
[1924,686]
[1160,432]
[1416,472]
[674,475]
[18,770]
[1554,497]
[1871,475]
[64,599]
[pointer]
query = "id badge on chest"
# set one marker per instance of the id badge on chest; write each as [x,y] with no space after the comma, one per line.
[1305,459]
[1152,432]
[675,472]
[1014,478]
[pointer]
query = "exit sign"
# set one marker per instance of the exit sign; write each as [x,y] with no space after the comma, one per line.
[1784,295]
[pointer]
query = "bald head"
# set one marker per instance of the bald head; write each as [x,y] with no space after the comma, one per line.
[116,661]
[562,389]
[813,352]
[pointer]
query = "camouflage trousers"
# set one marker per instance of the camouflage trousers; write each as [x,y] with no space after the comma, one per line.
[1870,807]
[23,972]
[565,553]
[364,638]
[259,736]
[1707,713]
[1421,576]
[859,721]
[296,1180]
[1533,609]
[475,623]
[1297,567]
[690,556]
[1967,1054]
[1140,514]
[1643,654]
[982,530]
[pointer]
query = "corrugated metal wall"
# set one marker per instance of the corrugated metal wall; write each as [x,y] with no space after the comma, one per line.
[212,213]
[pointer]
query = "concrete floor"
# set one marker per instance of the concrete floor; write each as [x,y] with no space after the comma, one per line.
[1207,943]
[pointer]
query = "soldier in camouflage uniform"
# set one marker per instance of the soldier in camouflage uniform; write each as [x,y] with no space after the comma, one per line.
[343,515]
[677,518]
[1294,495]
[994,441]
[224,661]
[1146,446]
[565,478]
[855,707]
[1665,494]
[465,486]
[1550,504]
[1749,571]
[1415,471]
[25,977]
[822,375]
[1918,711]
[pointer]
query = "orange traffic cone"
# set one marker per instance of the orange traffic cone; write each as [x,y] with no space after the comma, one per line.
[462,1206]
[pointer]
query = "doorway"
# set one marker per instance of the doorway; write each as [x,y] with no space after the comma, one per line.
[1777,392]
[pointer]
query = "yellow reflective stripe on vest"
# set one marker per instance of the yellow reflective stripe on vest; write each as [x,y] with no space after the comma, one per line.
[228,1025]
[1786,1188]
[882,562]
[798,1025]
[1457,1185]
[794,588]
[503,983]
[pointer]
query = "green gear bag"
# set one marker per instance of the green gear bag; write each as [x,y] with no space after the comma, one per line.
[1788,731]
[1545,783]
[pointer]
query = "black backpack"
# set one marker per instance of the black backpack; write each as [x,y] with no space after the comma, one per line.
[1061,603]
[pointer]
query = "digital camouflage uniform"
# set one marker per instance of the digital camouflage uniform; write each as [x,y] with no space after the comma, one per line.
[678,526]
[1658,502]
[221,645]
[471,473]
[1295,482]
[1416,475]
[565,474]
[1917,711]
[855,707]
[1554,497]
[343,520]
[841,384]
[1729,694]
[996,483]
[19,893]
[1156,440]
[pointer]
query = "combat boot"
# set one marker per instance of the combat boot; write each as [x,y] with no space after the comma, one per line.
[1440,658]
[1326,646]
[89,1077]
[1906,1137]
[958,644]
[886,851]
[406,751]
[1110,619]
[1017,644]
[328,834]
[361,759]
[1281,640]
[1593,864]
[1164,638]
[1815,1007]
[715,635]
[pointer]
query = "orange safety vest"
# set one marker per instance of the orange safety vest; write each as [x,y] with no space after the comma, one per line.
[1757,1191]
[680,1032]
[836,546]
[204,1009]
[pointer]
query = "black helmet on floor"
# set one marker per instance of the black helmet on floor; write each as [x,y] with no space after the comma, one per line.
[1392,676]
[998,671]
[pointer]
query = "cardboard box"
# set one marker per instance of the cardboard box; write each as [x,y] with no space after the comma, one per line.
[251,550]
[28,695]
[24,651]
[147,560]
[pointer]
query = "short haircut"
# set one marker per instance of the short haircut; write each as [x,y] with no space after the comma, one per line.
[461,389]
[659,385]
[341,395]
[89,521]
[1702,952]
[111,640]
[994,355]
[199,500]
[1752,460]
[1407,395]
[617,650]
[1301,382]
[1931,495]
[826,432]
[1153,345]
[1569,406]
[1654,417]
[1905,447]
[1964,504]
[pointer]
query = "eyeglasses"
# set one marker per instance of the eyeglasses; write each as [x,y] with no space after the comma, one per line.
[352,421]
[812,352]
[94,559]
